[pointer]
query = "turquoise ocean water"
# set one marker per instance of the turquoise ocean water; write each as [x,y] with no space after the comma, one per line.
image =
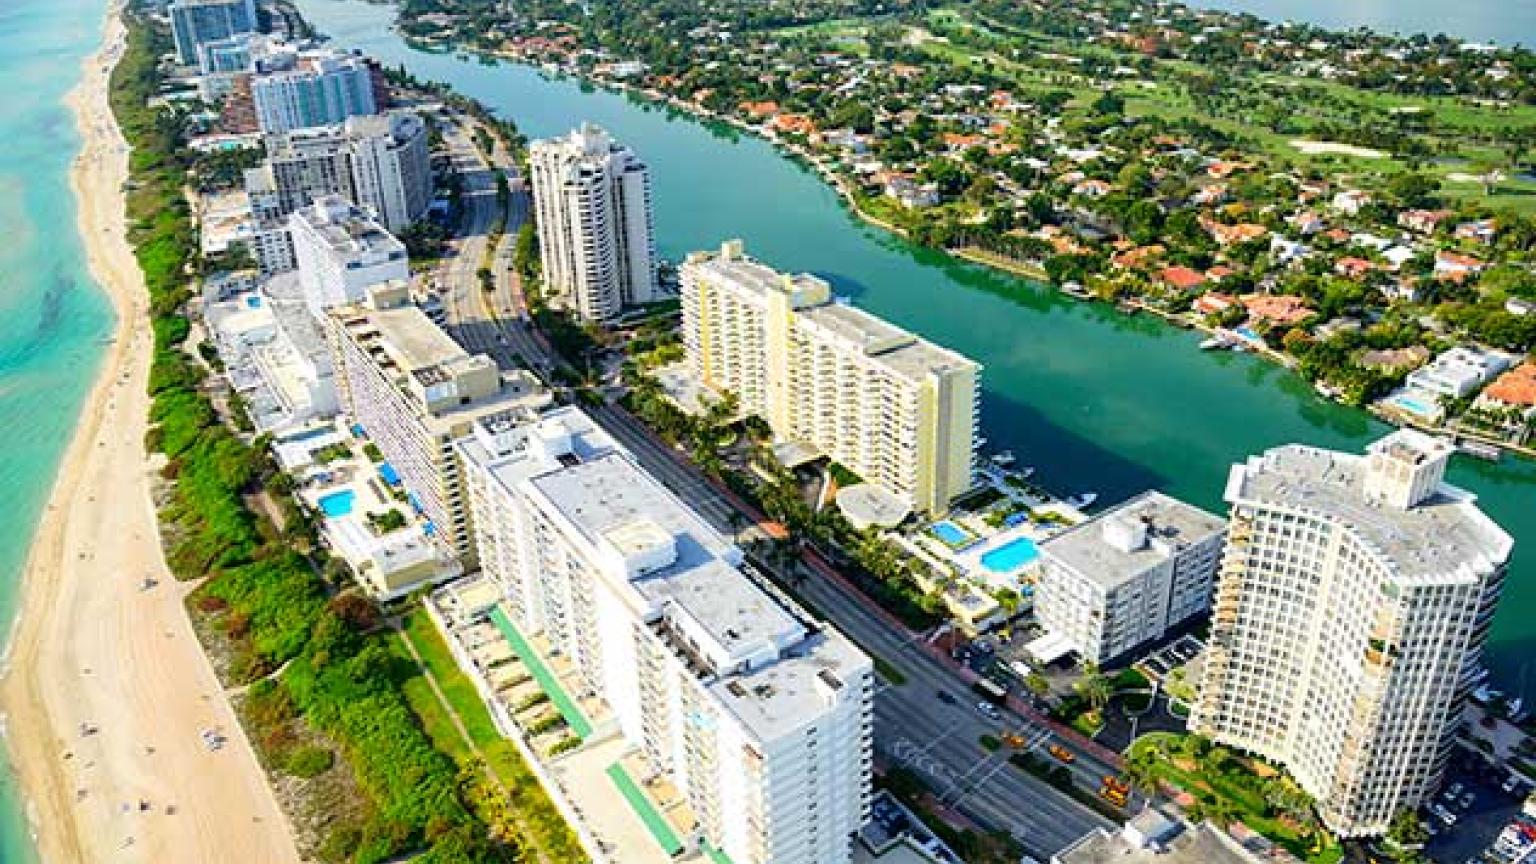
[53,317]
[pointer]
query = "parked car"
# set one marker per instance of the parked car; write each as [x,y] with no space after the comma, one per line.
[988,710]
[946,697]
[1467,800]
[1062,753]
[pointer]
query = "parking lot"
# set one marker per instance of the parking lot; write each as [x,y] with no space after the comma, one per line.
[1481,809]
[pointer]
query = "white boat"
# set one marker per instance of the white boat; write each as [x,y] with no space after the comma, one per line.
[1083,501]
[1213,343]
[1003,459]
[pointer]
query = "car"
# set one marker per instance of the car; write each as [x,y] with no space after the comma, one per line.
[1061,753]
[946,697]
[1467,800]
[1454,791]
[988,710]
[1513,786]
[1444,815]
[1113,782]
[1114,796]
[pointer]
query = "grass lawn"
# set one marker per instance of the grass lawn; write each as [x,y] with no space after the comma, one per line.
[1236,789]
[458,689]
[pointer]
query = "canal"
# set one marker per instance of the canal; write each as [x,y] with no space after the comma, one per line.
[1096,400]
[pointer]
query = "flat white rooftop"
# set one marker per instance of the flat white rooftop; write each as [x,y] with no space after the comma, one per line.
[1170,525]
[1433,539]
[699,588]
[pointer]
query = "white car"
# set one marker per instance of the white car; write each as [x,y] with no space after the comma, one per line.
[988,710]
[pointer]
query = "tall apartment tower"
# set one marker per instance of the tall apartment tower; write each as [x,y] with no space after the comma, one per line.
[379,162]
[592,206]
[415,391]
[759,715]
[198,22]
[313,88]
[1353,601]
[895,409]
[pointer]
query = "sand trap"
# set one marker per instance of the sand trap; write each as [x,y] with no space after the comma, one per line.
[1320,148]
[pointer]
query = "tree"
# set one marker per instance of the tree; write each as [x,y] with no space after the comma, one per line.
[1407,830]
[1094,686]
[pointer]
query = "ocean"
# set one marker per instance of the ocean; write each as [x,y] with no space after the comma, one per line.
[53,317]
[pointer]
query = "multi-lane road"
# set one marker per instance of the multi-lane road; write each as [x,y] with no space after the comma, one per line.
[930,723]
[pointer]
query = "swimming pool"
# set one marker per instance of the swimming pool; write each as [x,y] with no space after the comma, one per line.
[1011,555]
[338,503]
[949,533]
[1411,404]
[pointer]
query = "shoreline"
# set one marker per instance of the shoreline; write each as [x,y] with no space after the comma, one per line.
[802,155]
[106,687]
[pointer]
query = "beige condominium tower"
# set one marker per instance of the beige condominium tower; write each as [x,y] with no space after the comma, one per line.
[897,410]
[1353,600]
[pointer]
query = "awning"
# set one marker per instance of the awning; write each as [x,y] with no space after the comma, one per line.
[1048,648]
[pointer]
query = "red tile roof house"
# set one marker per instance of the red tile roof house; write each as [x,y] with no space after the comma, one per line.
[1423,221]
[1514,389]
[1181,278]
[1482,231]
[1281,310]
[1456,266]
[1352,268]
[1214,302]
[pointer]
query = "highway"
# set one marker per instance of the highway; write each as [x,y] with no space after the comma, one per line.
[914,727]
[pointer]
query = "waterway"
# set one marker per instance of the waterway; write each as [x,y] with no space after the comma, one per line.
[1093,398]
[52,315]
[1500,21]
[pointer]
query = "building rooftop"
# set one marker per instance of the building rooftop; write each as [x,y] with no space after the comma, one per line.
[347,229]
[762,658]
[1197,844]
[1442,535]
[902,352]
[898,350]
[1127,540]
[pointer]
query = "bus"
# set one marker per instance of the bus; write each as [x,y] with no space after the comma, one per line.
[991,691]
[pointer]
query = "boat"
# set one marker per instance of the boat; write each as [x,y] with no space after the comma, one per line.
[1075,289]
[1082,501]
[1003,459]
[1481,450]
[1213,343]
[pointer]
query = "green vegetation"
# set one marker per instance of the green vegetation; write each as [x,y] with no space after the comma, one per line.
[340,688]
[1230,788]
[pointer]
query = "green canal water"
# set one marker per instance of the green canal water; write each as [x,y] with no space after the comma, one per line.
[1094,399]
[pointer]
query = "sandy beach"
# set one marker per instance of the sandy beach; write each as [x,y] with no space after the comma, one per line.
[107,690]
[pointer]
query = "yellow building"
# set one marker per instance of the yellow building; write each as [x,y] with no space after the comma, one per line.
[893,408]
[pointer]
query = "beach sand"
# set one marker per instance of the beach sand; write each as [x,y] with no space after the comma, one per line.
[93,645]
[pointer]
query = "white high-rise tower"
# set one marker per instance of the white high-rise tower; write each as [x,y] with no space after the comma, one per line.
[1354,598]
[592,205]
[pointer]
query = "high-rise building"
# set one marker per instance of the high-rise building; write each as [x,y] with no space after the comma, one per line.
[592,207]
[1352,604]
[415,391]
[340,251]
[759,715]
[893,408]
[379,162]
[197,22]
[312,88]
[1124,579]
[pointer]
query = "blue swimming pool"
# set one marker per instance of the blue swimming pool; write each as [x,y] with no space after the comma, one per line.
[1011,555]
[949,533]
[1411,404]
[253,301]
[338,503]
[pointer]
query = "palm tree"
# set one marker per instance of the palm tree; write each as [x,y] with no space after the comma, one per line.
[1094,686]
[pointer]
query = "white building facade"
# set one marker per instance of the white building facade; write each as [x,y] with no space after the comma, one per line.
[1126,578]
[415,391]
[315,88]
[1353,601]
[378,162]
[340,251]
[592,207]
[759,715]
[895,409]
